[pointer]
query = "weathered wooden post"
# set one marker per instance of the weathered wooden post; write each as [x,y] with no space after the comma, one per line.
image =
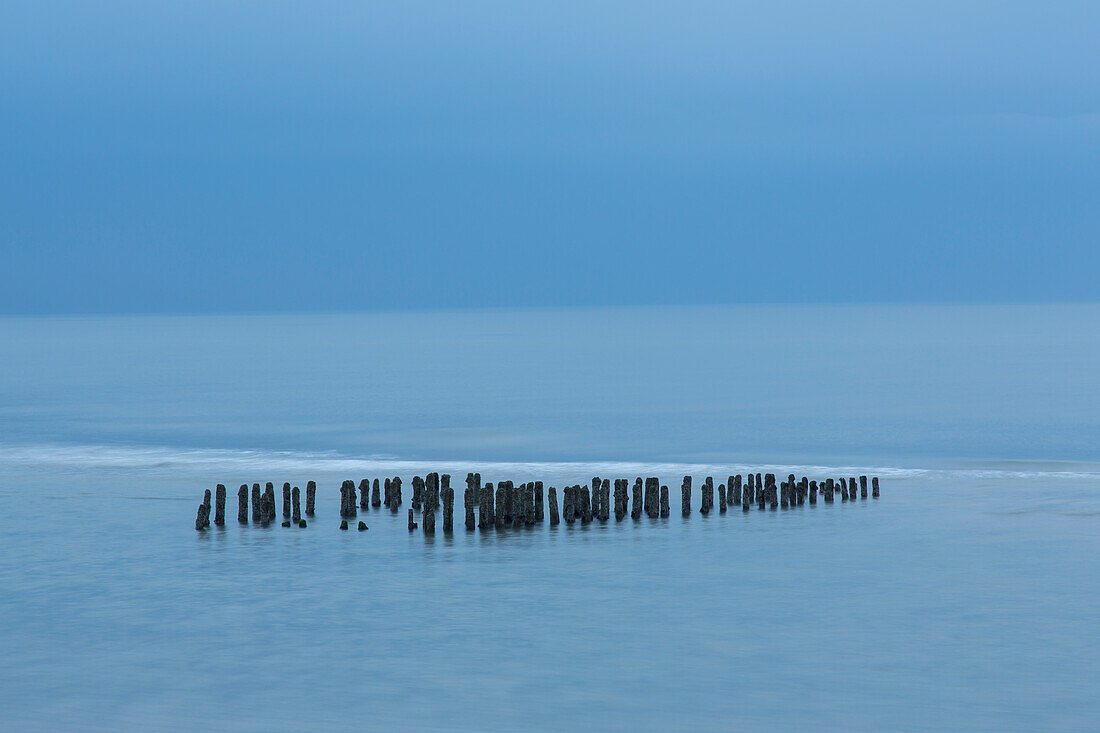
[620,498]
[829,488]
[874,487]
[375,499]
[664,501]
[257,510]
[568,504]
[784,496]
[749,496]
[286,500]
[412,524]
[202,519]
[395,487]
[652,497]
[596,496]
[813,493]
[428,516]
[538,502]
[485,514]
[448,495]
[706,501]
[862,487]
[721,498]
[803,489]
[296,511]
[605,499]
[219,505]
[552,499]
[432,486]
[843,489]
[733,489]
[311,497]
[364,494]
[345,487]
[685,497]
[270,496]
[242,504]
[502,503]
[418,492]
[636,505]
[586,505]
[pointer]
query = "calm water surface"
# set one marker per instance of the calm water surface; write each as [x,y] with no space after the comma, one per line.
[965,598]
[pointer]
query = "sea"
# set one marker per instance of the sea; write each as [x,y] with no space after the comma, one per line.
[966,597]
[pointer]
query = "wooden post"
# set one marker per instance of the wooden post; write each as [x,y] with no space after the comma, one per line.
[636,506]
[219,505]
[653,497]
[664,501]
[874,487]
[242,504]
[375,499]
[448,496]
[296,507]
[286,500]
[311,497]
[621,500]
[257,510]
[552,498]
[685,497]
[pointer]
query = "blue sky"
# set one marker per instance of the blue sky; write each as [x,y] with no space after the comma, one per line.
[278,156]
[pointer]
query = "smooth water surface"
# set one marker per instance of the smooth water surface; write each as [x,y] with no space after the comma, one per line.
[964,598]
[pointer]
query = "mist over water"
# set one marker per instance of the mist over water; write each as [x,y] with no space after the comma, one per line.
[949,603]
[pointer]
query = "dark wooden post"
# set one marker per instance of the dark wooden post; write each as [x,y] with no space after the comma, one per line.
[375,499]
[685,497]
[874,487]
[620,498]
[552,499]
[219,505]
[448,496]
[706,502]
[664,501]
[242,504]
[311,497]
[539,515]
[296,507]
[636,505]
[257,510]
[652,501]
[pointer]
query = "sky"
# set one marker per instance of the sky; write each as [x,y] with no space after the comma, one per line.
[223,156]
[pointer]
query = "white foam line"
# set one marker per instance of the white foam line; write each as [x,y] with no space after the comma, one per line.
[272,463]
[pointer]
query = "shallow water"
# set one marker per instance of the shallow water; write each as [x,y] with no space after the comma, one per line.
[964,598]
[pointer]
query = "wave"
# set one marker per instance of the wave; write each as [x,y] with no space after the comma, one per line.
[238,462]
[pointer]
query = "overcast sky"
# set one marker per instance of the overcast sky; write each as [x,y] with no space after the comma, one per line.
[277,156]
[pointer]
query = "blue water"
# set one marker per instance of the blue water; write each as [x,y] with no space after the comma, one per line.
[964,598]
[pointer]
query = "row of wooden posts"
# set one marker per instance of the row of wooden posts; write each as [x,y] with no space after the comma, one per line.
[522,504]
